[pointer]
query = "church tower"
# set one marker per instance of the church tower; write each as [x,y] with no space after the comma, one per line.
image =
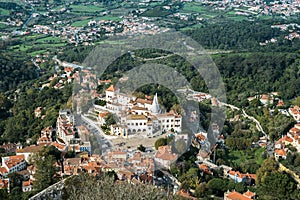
[155,106]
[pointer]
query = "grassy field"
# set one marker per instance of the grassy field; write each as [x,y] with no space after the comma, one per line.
[239,157]
[109,17]
[88,8]
[4,12]
[81,23]
[194,7]
[49,39]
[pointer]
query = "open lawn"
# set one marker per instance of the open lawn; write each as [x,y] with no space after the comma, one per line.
[4,12]
[194,7]
[239,157]
[49,39]
[81,23]
[109,17]
[87,8]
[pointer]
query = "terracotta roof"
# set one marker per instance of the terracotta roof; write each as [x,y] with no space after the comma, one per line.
[236,173]
[285,138]
[4,183]
[58,146]
[249,194]
[27,183]
[104,81]
[136,117]
[165,153]
[236,196]
[264,97]
[111,88]
[204,168]
[294,130]
[280,152]
[103,114]
[200,136]
[14,160]
[138,108]
[30,149]
[143,101]
[3,170]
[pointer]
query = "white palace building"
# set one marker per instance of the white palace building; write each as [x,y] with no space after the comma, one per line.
[136,115]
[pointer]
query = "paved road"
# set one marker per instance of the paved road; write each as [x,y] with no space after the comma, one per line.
[103,140]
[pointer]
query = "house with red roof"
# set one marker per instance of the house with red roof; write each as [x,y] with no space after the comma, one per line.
[295,113]
[234,195]
[238,177]
[27,186]
[280,153]
[164,156]
[14,163]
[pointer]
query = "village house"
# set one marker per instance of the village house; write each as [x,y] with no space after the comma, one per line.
[9,147]
[14,163]
[28,151]
[165,156]
[46,137]
[238,196]
[295,113]
[65,125]
[27,186]
[238,177]
[38,112]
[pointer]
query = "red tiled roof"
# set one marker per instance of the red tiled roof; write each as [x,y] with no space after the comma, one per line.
[294,130]
[111,88]
[3,170]
[30,149]
[236,196]
[27,183]
[280,152]
[249,194]
[14,160]
[165,153]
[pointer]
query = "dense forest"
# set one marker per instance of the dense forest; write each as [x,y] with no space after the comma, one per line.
[242,36]
[15,69]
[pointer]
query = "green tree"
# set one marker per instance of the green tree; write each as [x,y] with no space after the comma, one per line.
[277,186]
[45,169]
[268,167]
[104,187]
[160,142]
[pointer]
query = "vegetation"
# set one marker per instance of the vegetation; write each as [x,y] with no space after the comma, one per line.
[45,168]
[105,187]
[15,69]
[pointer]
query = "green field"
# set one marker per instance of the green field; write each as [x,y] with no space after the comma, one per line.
[81,23]
[4,12]
[109,17]
[87,8]
[194,7]
[238,157]
[49,39]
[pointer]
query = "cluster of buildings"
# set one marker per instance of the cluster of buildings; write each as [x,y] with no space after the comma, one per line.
[95,29]
[258,7]
[62,77]
[295,112]
[70,137]
[137,115]
[292,138]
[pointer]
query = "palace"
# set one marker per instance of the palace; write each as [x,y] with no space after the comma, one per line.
[137,115]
